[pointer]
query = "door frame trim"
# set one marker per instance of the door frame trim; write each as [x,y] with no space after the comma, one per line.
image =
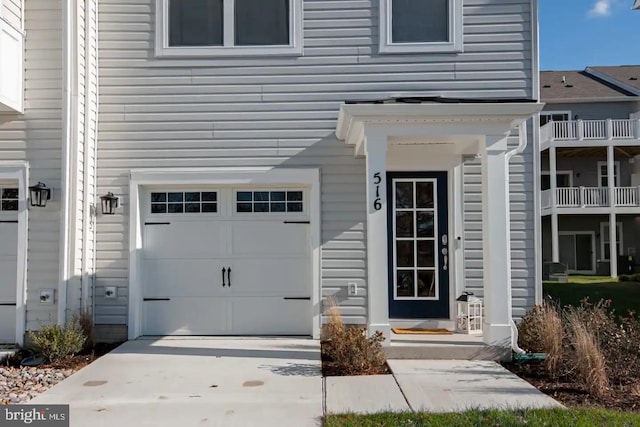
[19,171]
[593,249]
[309,177]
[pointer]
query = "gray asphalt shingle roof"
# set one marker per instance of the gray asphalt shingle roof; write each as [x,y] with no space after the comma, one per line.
[576,85]
[625,74]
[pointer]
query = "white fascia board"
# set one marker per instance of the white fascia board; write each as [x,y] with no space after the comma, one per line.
[510,113]
[592,100]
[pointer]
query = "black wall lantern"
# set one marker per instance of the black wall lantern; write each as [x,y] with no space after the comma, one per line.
[109,203]
[39,193]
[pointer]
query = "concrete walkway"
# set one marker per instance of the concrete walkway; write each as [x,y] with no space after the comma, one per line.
[434,386]
[204,382]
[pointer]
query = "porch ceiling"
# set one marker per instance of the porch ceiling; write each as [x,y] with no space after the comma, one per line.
[597,152]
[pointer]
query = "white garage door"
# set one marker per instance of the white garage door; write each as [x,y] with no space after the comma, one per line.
[8,263]
[226,262]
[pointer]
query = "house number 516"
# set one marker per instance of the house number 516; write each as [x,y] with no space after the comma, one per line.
[377,179]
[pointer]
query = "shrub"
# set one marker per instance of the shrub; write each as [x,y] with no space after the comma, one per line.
[55,342]
[349,349]
[625,278]
[588,360]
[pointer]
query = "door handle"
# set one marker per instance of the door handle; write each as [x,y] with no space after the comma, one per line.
[229,276]
[445,252]
[224,270]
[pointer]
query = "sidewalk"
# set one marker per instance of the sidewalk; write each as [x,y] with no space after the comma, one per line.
[433,386]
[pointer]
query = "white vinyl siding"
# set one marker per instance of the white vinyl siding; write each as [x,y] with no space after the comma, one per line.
[521,195]
[36,136]
[282,111]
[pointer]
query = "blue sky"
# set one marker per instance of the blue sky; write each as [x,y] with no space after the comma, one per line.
[578,33]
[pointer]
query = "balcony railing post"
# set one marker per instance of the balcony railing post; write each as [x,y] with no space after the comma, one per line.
[580,129]
[609,129]
[637,128]
[582,196]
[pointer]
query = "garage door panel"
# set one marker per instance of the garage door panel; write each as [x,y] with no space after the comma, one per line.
[183,277]
[7,324]
[8,240]
[270,277]
[8,280]
[182,239]
[270,239]
[270,316]
[186,316]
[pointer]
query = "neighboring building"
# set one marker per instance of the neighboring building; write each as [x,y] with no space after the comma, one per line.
[249,190]
[590,169]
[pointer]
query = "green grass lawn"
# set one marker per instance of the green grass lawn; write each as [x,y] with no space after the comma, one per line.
[624,295]
[556,417]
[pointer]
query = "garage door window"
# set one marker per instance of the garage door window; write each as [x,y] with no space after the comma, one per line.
[269,201]
[184,202]
[8,199]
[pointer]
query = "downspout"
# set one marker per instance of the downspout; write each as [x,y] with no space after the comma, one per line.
[522,130]
[68,23]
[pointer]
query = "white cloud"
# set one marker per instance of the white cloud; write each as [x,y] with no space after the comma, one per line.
[600,9]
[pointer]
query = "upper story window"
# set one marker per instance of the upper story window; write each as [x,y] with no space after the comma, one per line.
[414,26]
[556,116]
[228,27]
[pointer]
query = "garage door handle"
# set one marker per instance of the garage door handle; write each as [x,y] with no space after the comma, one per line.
[7,304]
[297,298]
[224,270]
[229,276]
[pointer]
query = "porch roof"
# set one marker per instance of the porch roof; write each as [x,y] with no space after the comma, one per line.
[443,117]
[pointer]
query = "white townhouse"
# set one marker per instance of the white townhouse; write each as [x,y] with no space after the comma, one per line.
[266,155]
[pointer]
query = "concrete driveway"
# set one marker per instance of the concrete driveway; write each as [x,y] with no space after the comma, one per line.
[197,382]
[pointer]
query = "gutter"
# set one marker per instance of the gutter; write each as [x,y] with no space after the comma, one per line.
[522,130]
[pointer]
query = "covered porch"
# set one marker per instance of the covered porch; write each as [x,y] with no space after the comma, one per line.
[416,260]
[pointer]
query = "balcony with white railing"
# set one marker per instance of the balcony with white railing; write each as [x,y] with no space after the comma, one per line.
[591,130]
[590,197]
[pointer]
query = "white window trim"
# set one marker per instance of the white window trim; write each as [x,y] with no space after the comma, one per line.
[620,242]
[454,45]
[554,112]
[617,170]
[562,172]
[593,249]
[164,50]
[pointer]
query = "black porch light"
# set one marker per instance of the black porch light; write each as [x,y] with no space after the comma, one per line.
[39,193]
[109,203]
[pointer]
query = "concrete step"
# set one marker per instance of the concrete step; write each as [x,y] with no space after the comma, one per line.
[443,347]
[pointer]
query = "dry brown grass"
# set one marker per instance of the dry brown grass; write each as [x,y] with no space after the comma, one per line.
[348,349]
[542,331]
[84,318]
[588,360]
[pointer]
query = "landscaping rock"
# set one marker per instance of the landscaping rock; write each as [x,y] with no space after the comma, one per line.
[19,385]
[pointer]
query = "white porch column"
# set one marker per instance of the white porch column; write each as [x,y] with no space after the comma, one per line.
[611,183]
[377,261]
[553,179]
[496,241]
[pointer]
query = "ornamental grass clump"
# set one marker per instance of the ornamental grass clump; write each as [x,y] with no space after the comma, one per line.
[589,363]
[348,349]
[542,331]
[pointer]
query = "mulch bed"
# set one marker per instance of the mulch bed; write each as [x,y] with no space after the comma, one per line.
[571,394]
[329,368]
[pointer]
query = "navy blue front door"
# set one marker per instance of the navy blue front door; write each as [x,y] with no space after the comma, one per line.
[418,245]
